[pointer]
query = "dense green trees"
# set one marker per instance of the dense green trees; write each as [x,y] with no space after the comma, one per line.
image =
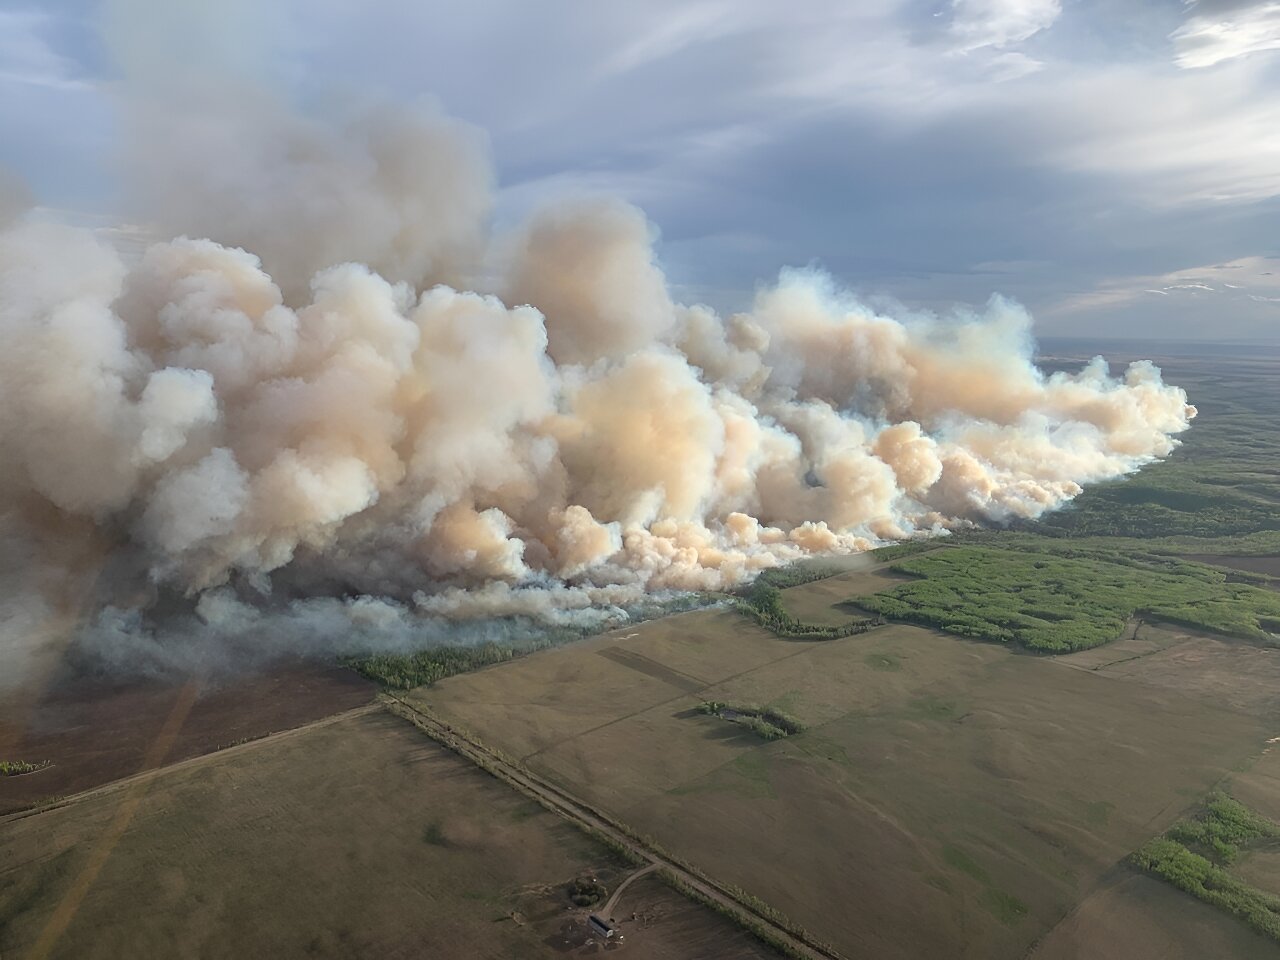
[587,892]
[762,602]
[1185,857]
[1222,828]
[405,671]
[766,722]
[1069,600]
[1222,482]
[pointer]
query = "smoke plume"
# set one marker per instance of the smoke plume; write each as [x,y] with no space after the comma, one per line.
[310,406]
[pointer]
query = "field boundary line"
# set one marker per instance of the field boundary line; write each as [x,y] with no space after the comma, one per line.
[145,776]
[756,917]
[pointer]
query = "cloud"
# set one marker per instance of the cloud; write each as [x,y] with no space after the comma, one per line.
[1185,139]
[26,56]
[1225,32]
[1254,279]
[895,146]
[1000,23]
[665,36]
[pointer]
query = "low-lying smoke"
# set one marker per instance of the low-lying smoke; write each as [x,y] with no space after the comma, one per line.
[249,433]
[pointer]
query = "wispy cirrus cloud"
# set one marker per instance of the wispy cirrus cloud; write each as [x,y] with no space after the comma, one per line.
[1221,31]
[1000,23]
[1230,285]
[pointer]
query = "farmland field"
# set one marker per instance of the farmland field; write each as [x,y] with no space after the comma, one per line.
[1052,774]
[952,797]
[353,838]
[1140,918]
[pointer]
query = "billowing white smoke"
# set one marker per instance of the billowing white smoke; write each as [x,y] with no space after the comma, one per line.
[569,441]
[406,192]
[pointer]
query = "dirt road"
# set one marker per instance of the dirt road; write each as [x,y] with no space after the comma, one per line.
[594,822]
[607,910]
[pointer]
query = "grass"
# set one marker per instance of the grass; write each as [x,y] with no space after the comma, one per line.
[1098,813]
[933,708]
[752,771]
[1005,907]
[757,928]
[243,740]
[235,831]
[631,854]
[1060,601]
[958,858]
[1193,854]
[22,891]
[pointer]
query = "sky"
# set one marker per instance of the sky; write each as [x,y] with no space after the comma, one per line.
[1114,165]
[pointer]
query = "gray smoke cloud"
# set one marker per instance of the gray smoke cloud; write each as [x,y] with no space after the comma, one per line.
[296,401]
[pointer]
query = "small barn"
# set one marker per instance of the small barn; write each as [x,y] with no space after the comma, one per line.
[603,928]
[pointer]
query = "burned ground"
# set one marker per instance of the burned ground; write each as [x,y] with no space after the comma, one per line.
[95,730]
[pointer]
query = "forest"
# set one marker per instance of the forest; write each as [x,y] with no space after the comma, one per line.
[1048,602]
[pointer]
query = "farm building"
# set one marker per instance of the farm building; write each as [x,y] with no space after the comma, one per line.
[603,928]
